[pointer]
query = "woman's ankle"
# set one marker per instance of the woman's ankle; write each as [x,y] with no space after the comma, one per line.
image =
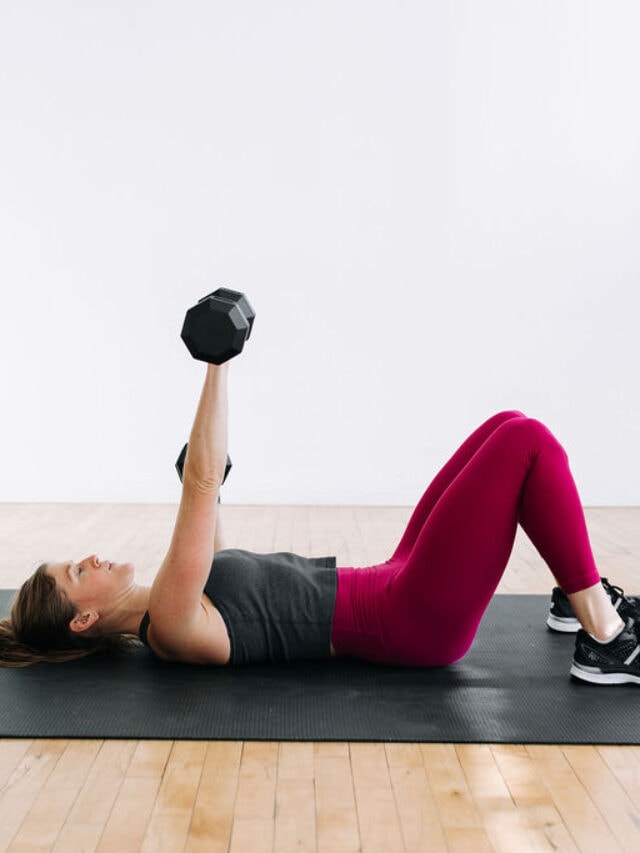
[596,613]
[608,635]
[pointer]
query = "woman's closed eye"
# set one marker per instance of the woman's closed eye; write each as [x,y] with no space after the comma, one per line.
[75,569]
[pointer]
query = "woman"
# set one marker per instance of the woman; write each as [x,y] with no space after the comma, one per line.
[422,607]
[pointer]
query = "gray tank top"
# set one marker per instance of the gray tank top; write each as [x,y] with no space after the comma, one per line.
[276,607]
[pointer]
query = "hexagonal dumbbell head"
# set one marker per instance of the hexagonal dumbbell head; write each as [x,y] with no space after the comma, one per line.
[180,461]
[216,328]
[241,301]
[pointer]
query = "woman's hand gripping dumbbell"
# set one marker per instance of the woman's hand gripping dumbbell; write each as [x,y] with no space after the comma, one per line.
[215,330]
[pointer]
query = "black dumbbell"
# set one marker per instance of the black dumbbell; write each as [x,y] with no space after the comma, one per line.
[218,325]
[183,456]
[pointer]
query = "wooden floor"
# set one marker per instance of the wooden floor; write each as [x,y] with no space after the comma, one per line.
[215,796]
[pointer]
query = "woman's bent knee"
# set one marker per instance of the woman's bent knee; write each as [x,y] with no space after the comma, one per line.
[533,432]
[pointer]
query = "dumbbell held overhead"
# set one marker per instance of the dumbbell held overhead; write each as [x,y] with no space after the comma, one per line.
[216,328]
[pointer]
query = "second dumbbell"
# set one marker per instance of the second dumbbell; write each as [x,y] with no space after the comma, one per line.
[183,455]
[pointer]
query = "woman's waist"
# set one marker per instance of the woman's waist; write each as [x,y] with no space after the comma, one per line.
[360,609]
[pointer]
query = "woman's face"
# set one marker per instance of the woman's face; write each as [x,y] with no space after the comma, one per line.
[92,584]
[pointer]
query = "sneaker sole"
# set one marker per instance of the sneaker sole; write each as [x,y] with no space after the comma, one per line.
[563,624]
[596,676]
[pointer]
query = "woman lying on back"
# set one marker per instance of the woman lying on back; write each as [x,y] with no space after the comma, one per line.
[419,608]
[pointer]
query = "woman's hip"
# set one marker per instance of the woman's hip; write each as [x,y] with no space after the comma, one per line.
[375,620]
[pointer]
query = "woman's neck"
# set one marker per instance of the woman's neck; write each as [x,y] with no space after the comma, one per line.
[128,615]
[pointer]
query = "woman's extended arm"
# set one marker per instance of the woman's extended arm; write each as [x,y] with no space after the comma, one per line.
[211,427]
[175,599]
[207,451]
[219,542]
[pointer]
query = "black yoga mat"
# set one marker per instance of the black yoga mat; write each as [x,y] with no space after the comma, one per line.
[512,687]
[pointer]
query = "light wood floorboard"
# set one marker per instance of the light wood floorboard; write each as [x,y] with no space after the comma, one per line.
[328,797]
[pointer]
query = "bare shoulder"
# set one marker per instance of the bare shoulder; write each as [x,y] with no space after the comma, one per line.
[202,639]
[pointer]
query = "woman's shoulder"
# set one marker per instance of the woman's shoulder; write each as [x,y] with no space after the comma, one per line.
[204,640]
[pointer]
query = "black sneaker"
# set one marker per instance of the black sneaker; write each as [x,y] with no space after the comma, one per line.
[615,662]
[561,617]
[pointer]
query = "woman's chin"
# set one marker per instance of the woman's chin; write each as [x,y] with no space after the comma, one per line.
[126,569]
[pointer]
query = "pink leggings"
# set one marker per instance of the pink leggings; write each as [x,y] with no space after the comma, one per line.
[422,607]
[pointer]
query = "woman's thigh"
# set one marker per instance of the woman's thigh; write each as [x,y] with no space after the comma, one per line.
[438,596]
[445,477]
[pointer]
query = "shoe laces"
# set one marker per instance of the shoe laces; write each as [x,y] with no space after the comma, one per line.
[618,591]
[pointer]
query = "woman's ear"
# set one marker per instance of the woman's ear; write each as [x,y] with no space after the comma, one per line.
[83,621]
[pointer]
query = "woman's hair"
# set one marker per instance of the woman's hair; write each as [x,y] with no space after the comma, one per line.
[38,628]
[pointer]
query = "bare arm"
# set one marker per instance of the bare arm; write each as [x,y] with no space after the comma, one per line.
[175,600]
[211,424]
[207,452]
[220,541]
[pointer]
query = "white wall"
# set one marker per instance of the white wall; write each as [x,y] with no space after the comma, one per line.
[434,207]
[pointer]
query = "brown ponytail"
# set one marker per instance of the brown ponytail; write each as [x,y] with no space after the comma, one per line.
[38,628]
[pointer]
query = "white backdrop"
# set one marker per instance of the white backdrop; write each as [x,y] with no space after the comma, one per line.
[434,207]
